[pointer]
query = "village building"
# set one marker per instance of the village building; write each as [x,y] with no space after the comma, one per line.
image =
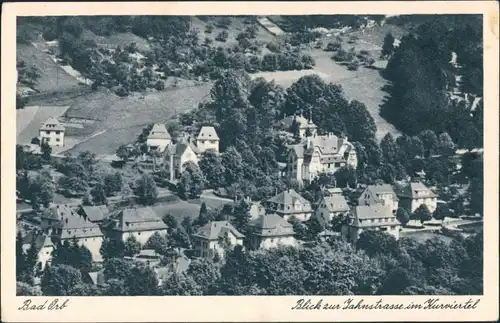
[52,132]
[306,127]
[256,210]
[141,223]
[177,155]
[43,245]
[319,154]
[271,231]
[289,203]
[371,217]
[159,138]
[330,207]
[214,238]
[62,223]
[207,139]
[380,194]
[415,194]
[96,214]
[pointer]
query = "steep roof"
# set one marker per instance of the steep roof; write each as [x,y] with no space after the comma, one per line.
[52,124]
[72,224]
[208,132]
[327,144]
[41,240]
[298,149]
[272,225]
[95,213]
[288,197]
[159,131]
[137,219]
[336,203]
[179,148]
[416,190]
[377,190]
[217,229]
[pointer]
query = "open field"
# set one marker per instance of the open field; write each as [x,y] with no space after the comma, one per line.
[29,120]
[124,118]
[52,76]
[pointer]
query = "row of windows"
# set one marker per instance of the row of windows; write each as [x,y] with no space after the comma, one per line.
[210,141]
[48,139]
[49,132]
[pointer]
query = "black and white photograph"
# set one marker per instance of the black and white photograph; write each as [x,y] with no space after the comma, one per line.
[250,155]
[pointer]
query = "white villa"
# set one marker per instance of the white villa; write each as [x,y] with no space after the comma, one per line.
[207,139]
[212,238]
[319,154]
[141,223]
[43,245]
[371,217]
[380,194]
[271,231]
[159,138]
[177,155]
[289,203]
[61,223]
[330,207]
[415,194]
[52,132]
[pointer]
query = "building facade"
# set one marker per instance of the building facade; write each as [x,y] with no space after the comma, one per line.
[207,139]
[62,223]
[330,207]
[140,222]
[319,154]
[375,217]
[305,127]
[52,133]
[380,194]
[415,194]
[215,238]
[289,203]
[43,245]
[178,155]
[159,138]
[271,231]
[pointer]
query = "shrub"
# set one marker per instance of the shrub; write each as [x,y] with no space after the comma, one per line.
[353,65]
[209,28]
[333,46]
[222,36]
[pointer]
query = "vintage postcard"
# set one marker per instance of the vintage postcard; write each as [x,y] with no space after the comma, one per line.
[249,162]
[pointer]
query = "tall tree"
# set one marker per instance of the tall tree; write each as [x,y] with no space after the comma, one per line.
[146,190]
[210,164]
[60,280]
[99,194]
[389,147]
[388,45]
[112,248]
[132,246]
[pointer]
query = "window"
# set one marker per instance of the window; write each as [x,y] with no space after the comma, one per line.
[393,227]
[213,141]
[47,132]
[272,240]
[337,164]
[138,233]
[57,132]
[57,139]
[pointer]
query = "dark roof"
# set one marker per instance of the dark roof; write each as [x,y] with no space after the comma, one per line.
[41,240]
[72,224]
[363,213]
[272,225]
[179,148]
[137,219]
[95,213]
[416,190]
[217,229]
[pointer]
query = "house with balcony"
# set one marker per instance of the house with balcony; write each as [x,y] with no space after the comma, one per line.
[376,217]
[380,194]
[215,238]
[319,154]
[289,203]
[271,231]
